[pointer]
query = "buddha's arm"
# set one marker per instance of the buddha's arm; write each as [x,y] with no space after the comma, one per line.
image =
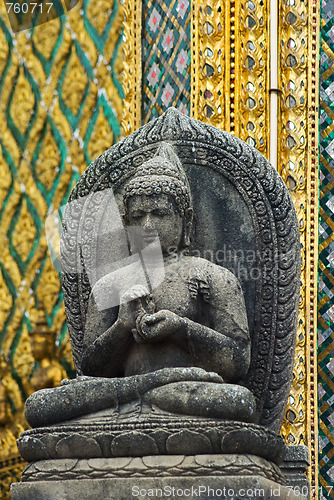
[224,345]
[105,356]
[229,356]
[108,335]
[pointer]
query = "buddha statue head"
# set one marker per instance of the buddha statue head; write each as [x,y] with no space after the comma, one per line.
[158,200]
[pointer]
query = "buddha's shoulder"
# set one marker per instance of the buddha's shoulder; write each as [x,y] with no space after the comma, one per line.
[206,270]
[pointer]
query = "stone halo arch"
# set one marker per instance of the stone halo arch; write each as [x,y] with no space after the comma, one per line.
[229,162]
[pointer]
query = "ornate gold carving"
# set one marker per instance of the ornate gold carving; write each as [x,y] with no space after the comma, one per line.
[42,342]
[4,401]
[5,179]
[24,232]
[232,62]
[312,240]
[208,91]
[299,33]
[47,164]
[23,101]
[8,81]
[252,75]
[3,51]
[6,301]
[45,37]
[10,426]
[102,136]
[10,471]
[75,82]
[35,98]
[23,363]
[214,62]
[230,68]
[49,287]
[98,14]
[292,167]
[131,74]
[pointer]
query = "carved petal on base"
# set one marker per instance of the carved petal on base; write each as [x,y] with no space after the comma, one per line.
[140,437]
[148,466]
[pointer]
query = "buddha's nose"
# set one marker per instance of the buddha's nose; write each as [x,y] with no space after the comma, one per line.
[148,222]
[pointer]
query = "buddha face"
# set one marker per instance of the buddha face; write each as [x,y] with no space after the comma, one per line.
[158,216]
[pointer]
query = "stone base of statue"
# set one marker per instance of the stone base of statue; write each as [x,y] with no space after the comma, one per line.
[146,453]
[104,437]
[230,477]
[164,456]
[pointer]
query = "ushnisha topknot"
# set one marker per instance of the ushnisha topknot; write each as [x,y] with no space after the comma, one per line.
[162,174]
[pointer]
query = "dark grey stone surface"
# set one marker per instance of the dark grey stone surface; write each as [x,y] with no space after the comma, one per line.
[153,466]
[295,465]
[240,205]
[207,477]
[103,436]
[228,488]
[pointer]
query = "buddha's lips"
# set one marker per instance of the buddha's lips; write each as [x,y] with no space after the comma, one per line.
[149,238]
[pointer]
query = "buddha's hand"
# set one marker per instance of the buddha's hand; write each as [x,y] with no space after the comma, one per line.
[132,306]
[154,327]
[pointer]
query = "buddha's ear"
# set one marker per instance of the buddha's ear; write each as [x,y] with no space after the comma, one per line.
[125,214]
[187,224]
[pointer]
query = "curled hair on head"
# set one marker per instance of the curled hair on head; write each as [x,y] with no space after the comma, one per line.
[162,174]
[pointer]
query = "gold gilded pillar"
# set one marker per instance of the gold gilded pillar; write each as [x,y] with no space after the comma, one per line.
[210,66]
[298,165]
[252,73]
[131,66]
[230,68]
[239,39]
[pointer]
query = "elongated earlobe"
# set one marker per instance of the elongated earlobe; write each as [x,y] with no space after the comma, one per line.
[187,225]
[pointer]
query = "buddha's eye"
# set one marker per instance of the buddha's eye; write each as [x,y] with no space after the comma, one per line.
[161,212]
[137,215]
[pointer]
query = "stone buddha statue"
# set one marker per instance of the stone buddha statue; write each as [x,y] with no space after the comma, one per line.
[181,347]
[184,364]
[197,309]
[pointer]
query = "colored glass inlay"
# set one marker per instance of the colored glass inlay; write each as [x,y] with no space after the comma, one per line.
[326,256]
[166,57]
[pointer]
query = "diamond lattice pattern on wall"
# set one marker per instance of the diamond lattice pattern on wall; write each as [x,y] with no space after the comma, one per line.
[326,256]
[166,57]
